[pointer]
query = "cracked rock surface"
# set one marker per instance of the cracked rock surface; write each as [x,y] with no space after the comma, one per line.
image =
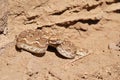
[89,24]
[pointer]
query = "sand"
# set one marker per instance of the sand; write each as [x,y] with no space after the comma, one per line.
[89,24]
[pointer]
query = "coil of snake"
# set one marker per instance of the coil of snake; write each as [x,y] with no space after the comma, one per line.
[37,41]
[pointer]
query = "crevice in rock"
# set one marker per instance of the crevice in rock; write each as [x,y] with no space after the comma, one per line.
[88,8]
[115,1]
[66,9]
[89,21]
[92,7]
[59,12]
[32,17]
[40,4]
[67,24]
[116,11]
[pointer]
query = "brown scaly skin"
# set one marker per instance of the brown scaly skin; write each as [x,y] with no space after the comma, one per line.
[37,41]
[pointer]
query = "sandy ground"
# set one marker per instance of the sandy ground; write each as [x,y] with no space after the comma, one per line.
[89,24]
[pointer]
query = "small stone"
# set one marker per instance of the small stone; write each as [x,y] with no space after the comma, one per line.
[113,46]
[98,27]
[84,28]
[80,26]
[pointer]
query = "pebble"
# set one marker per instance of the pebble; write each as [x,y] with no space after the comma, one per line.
[113,46]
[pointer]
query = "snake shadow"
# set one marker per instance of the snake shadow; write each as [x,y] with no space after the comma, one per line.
[52,49]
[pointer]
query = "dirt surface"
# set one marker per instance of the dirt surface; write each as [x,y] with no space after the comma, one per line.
[89,24]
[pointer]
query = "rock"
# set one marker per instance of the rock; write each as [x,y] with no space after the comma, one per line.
[113,46]
[80,26]
[3,15]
